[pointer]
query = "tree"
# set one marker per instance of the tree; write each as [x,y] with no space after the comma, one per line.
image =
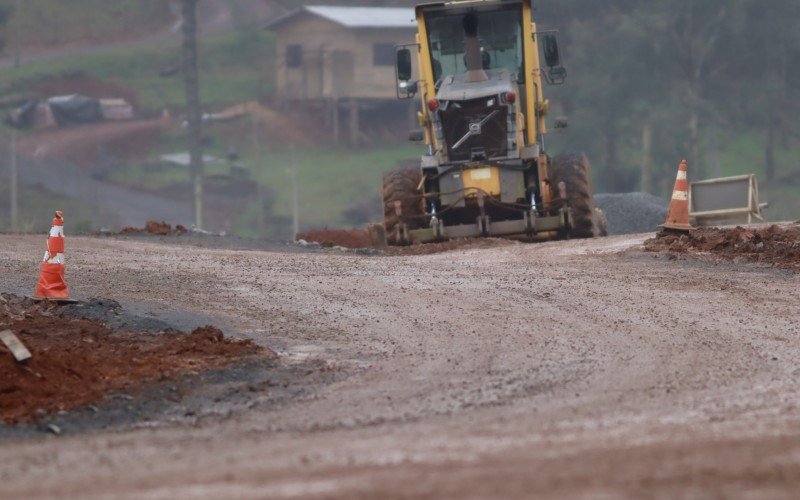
[774,46]
[613,75]
[193,110]
[653,82]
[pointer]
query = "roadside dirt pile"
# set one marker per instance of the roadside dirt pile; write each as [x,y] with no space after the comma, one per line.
[628,213]
[155,227]
[357,239]
[96,146]
[774,245]
[76,362]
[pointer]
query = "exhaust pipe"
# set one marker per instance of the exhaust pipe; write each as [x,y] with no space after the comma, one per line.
[472,44]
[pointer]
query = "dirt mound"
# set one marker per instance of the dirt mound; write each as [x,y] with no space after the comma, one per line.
[79,361]
[81,83]
[774,245]
[155,227]
[97,146]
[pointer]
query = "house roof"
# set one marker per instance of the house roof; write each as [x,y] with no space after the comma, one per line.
[356,17]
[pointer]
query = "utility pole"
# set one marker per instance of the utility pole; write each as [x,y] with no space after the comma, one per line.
[647,158]
[295,201]
[193,115]
[14,183]
[260,216]
[713,152]
[16,33]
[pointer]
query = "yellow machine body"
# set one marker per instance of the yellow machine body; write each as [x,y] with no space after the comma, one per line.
[480,70]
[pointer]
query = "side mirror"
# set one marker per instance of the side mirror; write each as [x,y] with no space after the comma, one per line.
[403,60]
[407,90]
[556,76]
[552,57]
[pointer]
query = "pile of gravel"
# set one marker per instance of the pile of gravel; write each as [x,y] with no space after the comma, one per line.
[628,213]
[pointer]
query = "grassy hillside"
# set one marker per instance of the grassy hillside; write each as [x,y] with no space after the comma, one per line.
[46,23]
[234,68]
[330,181]
[36,207]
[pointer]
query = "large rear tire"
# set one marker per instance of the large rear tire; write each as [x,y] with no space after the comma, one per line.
[402,185]
[573,169]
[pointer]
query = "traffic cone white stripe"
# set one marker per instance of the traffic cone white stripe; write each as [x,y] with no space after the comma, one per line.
[56,259]
[680,195]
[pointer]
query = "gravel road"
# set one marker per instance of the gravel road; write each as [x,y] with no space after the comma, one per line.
[559,370]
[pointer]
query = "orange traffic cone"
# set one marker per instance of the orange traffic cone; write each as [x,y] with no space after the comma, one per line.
[51,283]
[678,216]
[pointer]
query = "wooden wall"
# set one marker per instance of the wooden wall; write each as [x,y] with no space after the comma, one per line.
[337,61]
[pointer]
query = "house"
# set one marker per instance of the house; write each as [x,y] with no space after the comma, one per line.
[340,57]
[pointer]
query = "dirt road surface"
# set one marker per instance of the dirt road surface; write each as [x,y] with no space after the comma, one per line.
[53,160]
[558,370]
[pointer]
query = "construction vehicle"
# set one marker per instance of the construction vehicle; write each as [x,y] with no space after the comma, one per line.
[486,172]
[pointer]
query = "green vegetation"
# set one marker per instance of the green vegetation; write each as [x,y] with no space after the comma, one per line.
[55,22]
[233,67]
[36,211]
[329,181]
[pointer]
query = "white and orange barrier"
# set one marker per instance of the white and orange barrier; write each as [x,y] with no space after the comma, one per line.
[52,284]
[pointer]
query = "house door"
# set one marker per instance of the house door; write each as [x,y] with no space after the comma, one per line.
[313,77]
[342,74]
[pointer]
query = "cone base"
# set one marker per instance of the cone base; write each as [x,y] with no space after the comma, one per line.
[677,227]
[54,299]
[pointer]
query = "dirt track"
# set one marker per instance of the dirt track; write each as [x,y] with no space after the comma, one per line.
[563,370]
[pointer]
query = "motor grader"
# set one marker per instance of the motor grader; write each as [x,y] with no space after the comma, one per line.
[479,77]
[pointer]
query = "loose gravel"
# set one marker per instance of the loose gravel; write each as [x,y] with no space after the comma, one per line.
[629,213]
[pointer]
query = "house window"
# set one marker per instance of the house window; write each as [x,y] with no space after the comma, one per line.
[382,54]
[294,56]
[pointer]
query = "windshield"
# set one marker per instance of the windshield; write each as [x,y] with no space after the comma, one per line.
[499,31]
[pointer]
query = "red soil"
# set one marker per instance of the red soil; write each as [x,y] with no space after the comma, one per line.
[775,245]
[155,227]
[77,362]
[92,145]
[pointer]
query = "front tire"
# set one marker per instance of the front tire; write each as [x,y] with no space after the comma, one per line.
[402,185]
[573,169]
